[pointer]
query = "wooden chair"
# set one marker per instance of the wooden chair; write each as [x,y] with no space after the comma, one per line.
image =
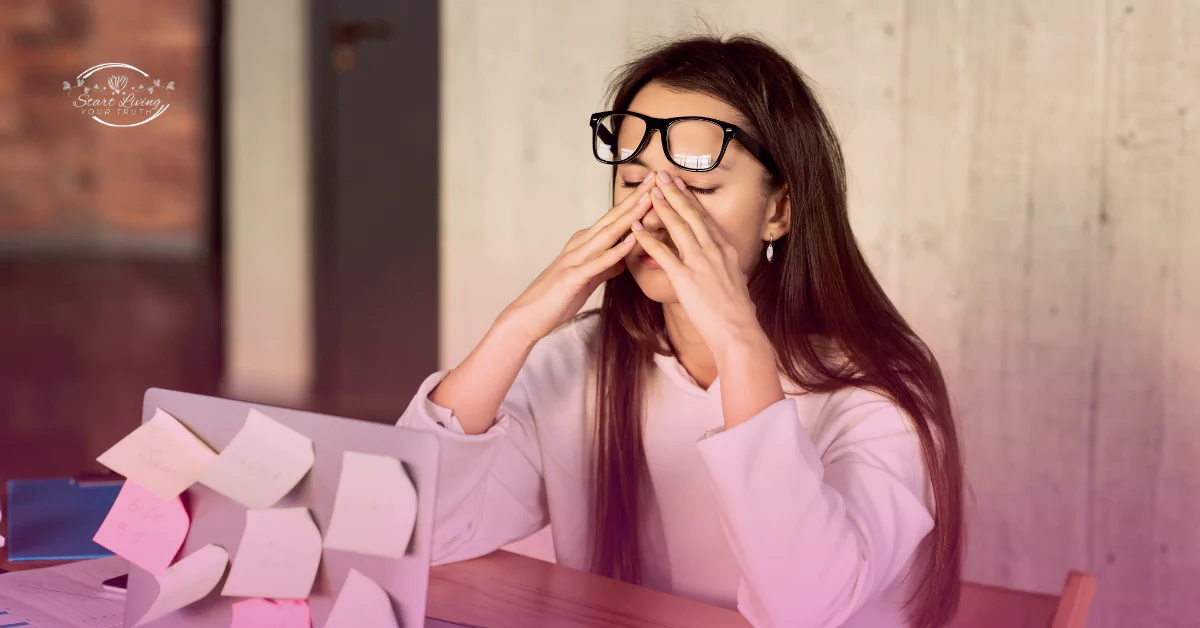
[982,606]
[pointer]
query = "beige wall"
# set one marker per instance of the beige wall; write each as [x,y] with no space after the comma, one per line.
[1025,183]
[268,311]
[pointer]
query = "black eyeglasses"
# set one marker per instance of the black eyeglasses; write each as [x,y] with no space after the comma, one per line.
[692,143]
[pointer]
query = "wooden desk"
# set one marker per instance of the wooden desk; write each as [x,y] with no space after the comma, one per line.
[504,589]
[510,590]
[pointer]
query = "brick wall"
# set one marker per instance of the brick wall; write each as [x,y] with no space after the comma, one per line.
[68,182]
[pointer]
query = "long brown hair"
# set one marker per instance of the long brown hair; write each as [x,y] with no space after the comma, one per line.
[817,287]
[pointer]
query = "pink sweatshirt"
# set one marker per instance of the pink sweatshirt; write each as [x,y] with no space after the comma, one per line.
[808,514]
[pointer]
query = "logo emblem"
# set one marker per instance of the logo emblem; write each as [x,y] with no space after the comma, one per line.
[119,95]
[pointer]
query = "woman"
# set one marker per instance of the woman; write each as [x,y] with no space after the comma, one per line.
[656,432]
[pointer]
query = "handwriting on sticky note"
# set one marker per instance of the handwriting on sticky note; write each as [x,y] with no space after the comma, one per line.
[261,464]
[260,613]
[361,602]
[375,507]
[144,529]
[161,455]
[187,581]
[277,556]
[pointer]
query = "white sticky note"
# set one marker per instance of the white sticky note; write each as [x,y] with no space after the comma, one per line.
[187,581]
[361,602]
[605,151]
[162,456]
[277,557]
[261,464]
[626,152]
[691,161]
[375,507]
[704,161]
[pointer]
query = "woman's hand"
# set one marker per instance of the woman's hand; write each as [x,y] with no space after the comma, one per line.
[590,257]
[707,274]
[711,288]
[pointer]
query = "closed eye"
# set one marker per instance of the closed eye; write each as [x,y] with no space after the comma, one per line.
[694,189]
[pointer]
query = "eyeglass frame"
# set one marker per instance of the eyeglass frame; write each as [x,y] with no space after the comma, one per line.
[663,126]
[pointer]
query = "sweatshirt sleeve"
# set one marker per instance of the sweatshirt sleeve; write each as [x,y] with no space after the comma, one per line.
[819,533]
[489,490]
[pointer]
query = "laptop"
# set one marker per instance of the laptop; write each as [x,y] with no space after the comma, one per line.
[220,520]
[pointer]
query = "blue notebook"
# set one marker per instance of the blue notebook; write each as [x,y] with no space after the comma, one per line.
[56,519]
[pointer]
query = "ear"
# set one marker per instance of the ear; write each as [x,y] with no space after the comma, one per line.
[779,213]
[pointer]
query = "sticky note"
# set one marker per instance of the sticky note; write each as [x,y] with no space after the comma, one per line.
[143,528]
[277,557]
[361,602]
[375,507]
[260,613]
[261,464]
[161,455]
[187,581]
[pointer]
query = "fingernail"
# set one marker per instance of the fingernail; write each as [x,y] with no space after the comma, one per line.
[658,193]
[645,195]
[649,175]
[637,225]
[680,184]
[628,238]
[664,177]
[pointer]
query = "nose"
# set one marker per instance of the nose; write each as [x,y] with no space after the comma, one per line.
[654,158]
[652,222]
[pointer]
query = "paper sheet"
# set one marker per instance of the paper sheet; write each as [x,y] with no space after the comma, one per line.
[361,602]
[145,530]
[261,464]
[66,596]
[260,613]
[375,507]
[277,557]
[187,581]
[161,455]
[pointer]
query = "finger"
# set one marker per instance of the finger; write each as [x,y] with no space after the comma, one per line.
[685,203]
[605,260]
[681,233]
[605,238]
[627,204]
[613,271]
[660,252]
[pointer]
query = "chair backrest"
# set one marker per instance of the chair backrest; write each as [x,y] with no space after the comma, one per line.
[982,606]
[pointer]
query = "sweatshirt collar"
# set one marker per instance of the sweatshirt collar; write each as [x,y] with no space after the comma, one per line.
[674,371]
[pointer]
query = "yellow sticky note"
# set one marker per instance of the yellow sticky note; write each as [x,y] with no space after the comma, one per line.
[162,456]
[187,581]
[361,602]
[261,464]
[277,557]
[375,507]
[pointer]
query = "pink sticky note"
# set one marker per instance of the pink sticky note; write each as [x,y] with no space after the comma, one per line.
[264,613]
[143,528]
